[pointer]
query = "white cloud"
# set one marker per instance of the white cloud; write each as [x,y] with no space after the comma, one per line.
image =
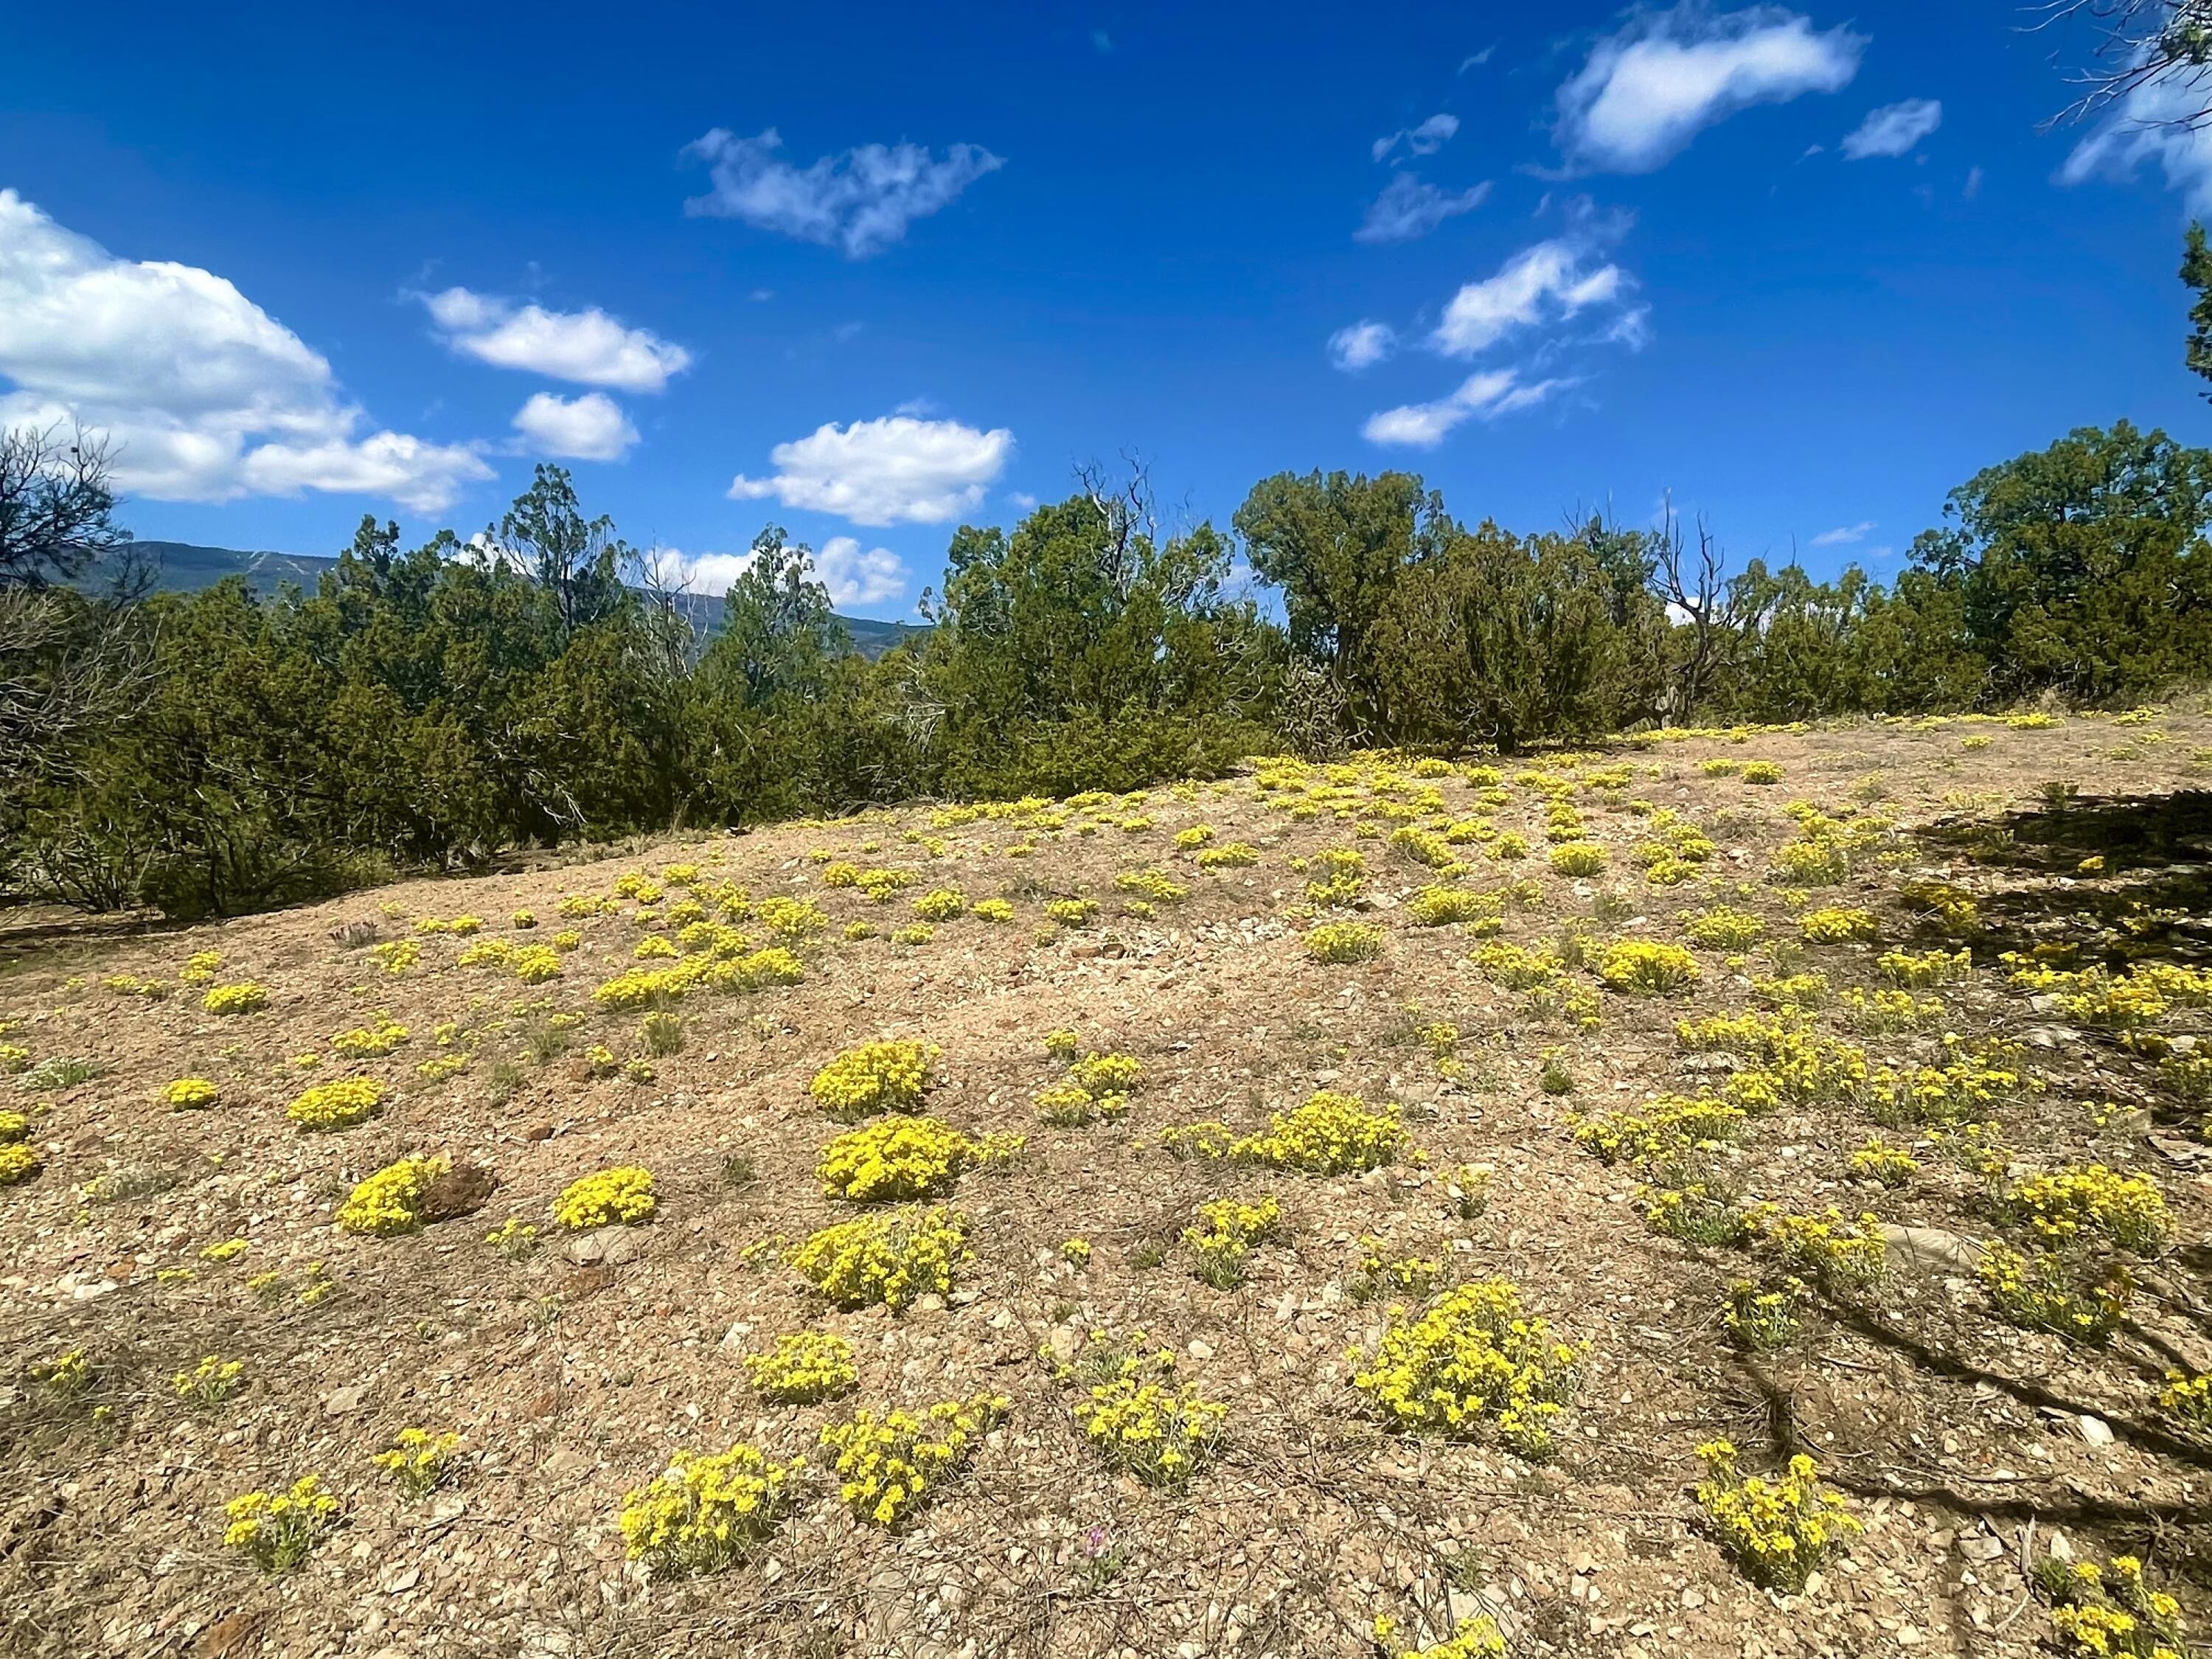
[1647,91]
[1361,345]
[203,395]
[587,347]
[858,577]
[1893,129]
[852,575]
[1844,535]
[1426,139]
[1410,208]
[1550,282]
[2156,120]
[591,428]
[861,201]
[895,470]
[1486,395]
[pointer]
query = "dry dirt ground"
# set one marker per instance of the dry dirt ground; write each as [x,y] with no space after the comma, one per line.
[1968,1447]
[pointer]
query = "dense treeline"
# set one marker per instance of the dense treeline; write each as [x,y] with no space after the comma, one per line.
[427,708]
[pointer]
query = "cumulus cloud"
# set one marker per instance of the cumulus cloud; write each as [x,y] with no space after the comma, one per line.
[861,201]
[2156,120]
[591,428]
[1361,345]
[1650,89]
[897,469]
[1844,535]
[1893,129]
[587,347]
[1550,282]
[853,575]
[203,395]
[1409,207]
[1426,139]
[1486,395]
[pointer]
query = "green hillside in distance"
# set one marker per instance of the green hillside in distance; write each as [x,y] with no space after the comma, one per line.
[185,569]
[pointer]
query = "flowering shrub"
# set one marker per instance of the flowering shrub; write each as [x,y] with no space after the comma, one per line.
[1224,1241]
[940,904]
[1668,1124]
[1072,912]
[892,1075]
[895,1158]
[1916,971]
[914,933]
[1132,1413]
[1647,966]
[1331,1134]
[1344,942]
[536,964]
[2044,1292]
[368,1043]
[1836,926]
[803,1367]
[996,910]
[245,998]
[1578,857]
[211,1382]
[1517,967]
[279,1531]
[888,1466]
[1887,1165]
[390,1201]
[189,1094]
[892,1259]
[1192,839]
[1780,1531]
[1722,928]
[1154,886]
[1230,855]
[2119,1617]
[1068,1105]
[1843,1255]
[18,1163]
[702,1514]
[622,1195]
[2059,1206]
[418,1462]
[1475,1359]
[339,1105]
[1762,772]
[1762,1320]
[1442,907]
[200,967]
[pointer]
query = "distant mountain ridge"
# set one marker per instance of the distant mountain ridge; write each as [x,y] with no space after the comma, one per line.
[184,568]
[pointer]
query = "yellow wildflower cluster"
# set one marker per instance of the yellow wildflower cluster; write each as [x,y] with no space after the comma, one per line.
[339,1105]
[2115,1617]
[1222,1243]
[1443,906]
[1332,1133]
[390,1201]
[211,1382]
[2059,1206]
[1210,1138]
[896,1159]
[1344,942]
[2188,1398]
[1843,1254]
[245,998]
[1152,886]
[621,1194]
[1722,928]
[418,1462]
[1516,966]
[189,1094]
[1879,1012]
[2045,1292]
[803,1367]
[1578,857]
[940,904]
[1474,1360]
[1072,912]
[1762,1319]
[1343,876]
[892,1075]
[1647,966]
[368,1042]
[1780,1531]
[888,1466]
[279,1531]
[200,967]
[1916,971]
[702,1514]
[1383,1274]
[1967,1087]
[1669,1124]
[1473,1637]
[1887,1165]
[1835,925]
[893,1259]
[1230,855]
[1130,1409]
[397,955]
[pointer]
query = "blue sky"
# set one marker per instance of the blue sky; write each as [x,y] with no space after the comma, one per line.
[1807,269]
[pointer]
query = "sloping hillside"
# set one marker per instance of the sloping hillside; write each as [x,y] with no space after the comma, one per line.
[185,569]
[1328,1201]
